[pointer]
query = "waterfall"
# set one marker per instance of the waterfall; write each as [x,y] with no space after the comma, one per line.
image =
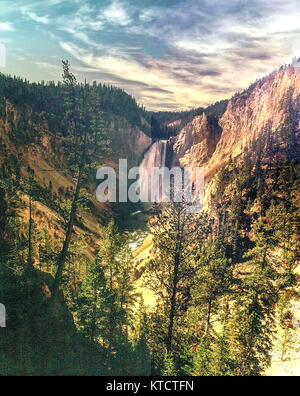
[154,157]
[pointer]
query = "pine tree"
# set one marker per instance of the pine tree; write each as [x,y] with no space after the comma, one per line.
[85,137]
[115,260]
[176,234]
[213,280]
[48,251]
[73,114]
[142,359]
[252,323]
[169,366]
[92,304]
[285,316]
[224,363]
[200,359]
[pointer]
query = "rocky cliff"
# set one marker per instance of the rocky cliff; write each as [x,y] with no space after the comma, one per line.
[34,140]
[128,142]
[269,108]
[196,142]
[270,104]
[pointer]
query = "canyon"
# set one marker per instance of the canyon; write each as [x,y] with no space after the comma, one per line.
[211,138]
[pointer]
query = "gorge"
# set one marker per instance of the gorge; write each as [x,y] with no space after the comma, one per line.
[249,148]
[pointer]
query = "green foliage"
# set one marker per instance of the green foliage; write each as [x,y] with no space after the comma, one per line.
[40,337]
[218,279]
[142,359]
[214,278]
[48,251]
[201,360]
[92,304]
[171,271]
[169,366]
[287,339]
[252,324]
[104,307]
[40,104]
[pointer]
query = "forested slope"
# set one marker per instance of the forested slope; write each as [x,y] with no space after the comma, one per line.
[224,281]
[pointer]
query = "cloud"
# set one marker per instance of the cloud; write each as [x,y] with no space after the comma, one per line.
[209,53]
[84,19]
[6,26]
[116,14]
[51,70]
[168,53]
[150,85]
[36,18]
[80,24]
[148,15]
[46,65]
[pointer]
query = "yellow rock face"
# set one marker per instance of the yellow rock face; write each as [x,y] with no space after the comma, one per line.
[270,103]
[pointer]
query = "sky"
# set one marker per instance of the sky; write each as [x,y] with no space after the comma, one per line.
[169,54]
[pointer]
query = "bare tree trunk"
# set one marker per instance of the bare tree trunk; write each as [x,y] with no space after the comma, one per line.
[180,231]
[208,318]
[30,260]
[173,305]
[64,252]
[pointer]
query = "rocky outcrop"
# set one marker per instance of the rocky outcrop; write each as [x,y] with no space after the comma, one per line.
[128,141]
[272,103]
[196,142]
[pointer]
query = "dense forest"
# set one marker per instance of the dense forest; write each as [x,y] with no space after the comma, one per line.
[168,123]
[221,280]
[47,100]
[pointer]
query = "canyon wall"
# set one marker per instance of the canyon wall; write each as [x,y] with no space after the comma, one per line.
[270,104]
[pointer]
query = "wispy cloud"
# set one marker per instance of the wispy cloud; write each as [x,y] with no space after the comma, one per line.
[116,14]
[36,18]
[170,53]
[46,65]
[6,26]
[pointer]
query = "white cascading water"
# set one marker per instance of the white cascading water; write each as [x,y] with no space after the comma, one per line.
[154,157]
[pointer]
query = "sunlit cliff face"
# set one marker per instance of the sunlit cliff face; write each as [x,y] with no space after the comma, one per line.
[268,104]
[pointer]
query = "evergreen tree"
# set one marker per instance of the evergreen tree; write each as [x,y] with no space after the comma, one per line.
[92,304]
[285,317]
[169,366]
[252,324]
[176,234]
[201,359]
[79,144]
[141,359]
[214,278]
